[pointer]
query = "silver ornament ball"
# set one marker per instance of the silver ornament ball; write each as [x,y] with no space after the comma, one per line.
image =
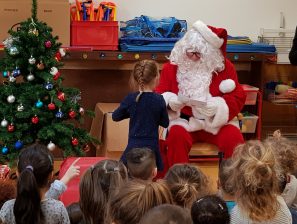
[10,99]
[20,107]
[11,79]
[54,71]
[30,77]
[13,51]
[32,60]
[4,123]
[51,146]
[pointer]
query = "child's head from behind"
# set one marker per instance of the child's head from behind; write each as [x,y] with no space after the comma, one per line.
[35,168]
[285,152]
[145,75]
[210,209]
[141,163]
[99,183]
[167,214]
[254,177]
[187,183]
[136,198]
[223,183]
[74,213]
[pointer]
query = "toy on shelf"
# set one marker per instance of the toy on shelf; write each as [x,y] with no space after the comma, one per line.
[90,11]
[279,92]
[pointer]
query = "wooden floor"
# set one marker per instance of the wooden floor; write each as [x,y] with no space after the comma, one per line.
[210,169]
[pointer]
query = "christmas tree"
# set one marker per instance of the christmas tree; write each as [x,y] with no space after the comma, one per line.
[34,104]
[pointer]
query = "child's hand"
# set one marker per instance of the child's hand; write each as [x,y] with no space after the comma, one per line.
[73,171]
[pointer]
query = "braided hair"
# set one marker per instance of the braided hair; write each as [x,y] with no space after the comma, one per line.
[143,74]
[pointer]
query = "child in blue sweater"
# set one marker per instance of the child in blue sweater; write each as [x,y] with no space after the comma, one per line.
[146,110]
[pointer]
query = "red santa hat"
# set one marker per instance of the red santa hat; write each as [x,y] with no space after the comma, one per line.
[217,37]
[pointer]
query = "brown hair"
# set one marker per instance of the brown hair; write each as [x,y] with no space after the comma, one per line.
[136,198]
[144,73]
[100,183]
[254,177]
[167,214]
[187,183]
[285,152]
[141,162]
[35,166]
[223,177]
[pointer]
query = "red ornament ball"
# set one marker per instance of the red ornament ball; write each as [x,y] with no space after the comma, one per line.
[61,96]
[51,106]
[58,56]
[35,119]
[56,76]
[74,141]
[48,44]
[72,114]
[10,128]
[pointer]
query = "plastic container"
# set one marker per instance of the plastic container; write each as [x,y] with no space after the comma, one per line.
[251,94]
[249,123]
[100,35]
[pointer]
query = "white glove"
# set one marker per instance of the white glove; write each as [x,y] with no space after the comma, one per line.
[175,104]
[209,110]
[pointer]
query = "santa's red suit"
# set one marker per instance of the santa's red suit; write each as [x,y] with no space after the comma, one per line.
[228,100]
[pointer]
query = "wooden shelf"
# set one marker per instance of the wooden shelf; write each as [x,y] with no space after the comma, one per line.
[102,76]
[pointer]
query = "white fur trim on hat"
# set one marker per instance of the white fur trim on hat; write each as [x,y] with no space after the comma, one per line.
[208,35]
[227,86]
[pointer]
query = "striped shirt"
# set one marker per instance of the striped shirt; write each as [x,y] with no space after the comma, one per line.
[283,215]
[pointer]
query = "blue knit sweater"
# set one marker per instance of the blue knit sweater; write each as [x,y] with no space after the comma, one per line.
[146,116]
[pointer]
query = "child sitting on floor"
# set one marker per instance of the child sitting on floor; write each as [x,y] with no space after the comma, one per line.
[141,163]
[254,175]
[187,183]
[210,209]
[226,191]
[34,171]
[167,214]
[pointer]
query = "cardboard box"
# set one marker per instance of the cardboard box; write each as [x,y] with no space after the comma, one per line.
[113,135]
[55,13]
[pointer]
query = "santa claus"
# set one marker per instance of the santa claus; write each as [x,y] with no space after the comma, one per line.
[202,93]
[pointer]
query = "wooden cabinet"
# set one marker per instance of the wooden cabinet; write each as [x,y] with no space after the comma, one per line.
[102,76]
[279,116]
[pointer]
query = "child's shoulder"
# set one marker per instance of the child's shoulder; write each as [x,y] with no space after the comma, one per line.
[131,96]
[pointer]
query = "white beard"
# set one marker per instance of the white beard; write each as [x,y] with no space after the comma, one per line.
[194,80]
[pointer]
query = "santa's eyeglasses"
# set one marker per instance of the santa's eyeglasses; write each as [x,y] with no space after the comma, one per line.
[190,53]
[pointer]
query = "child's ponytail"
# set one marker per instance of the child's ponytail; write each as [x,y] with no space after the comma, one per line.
[140,77]
[143,74]
[35,166]
[27,204]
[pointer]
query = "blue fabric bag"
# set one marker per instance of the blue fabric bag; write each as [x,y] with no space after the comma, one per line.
[148,34]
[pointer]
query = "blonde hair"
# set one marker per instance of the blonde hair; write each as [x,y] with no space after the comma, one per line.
[285,152]
[187,183]
[253,173]
[136,198]
[144,73]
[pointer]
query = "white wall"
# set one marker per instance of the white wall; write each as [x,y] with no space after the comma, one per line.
[239,17]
